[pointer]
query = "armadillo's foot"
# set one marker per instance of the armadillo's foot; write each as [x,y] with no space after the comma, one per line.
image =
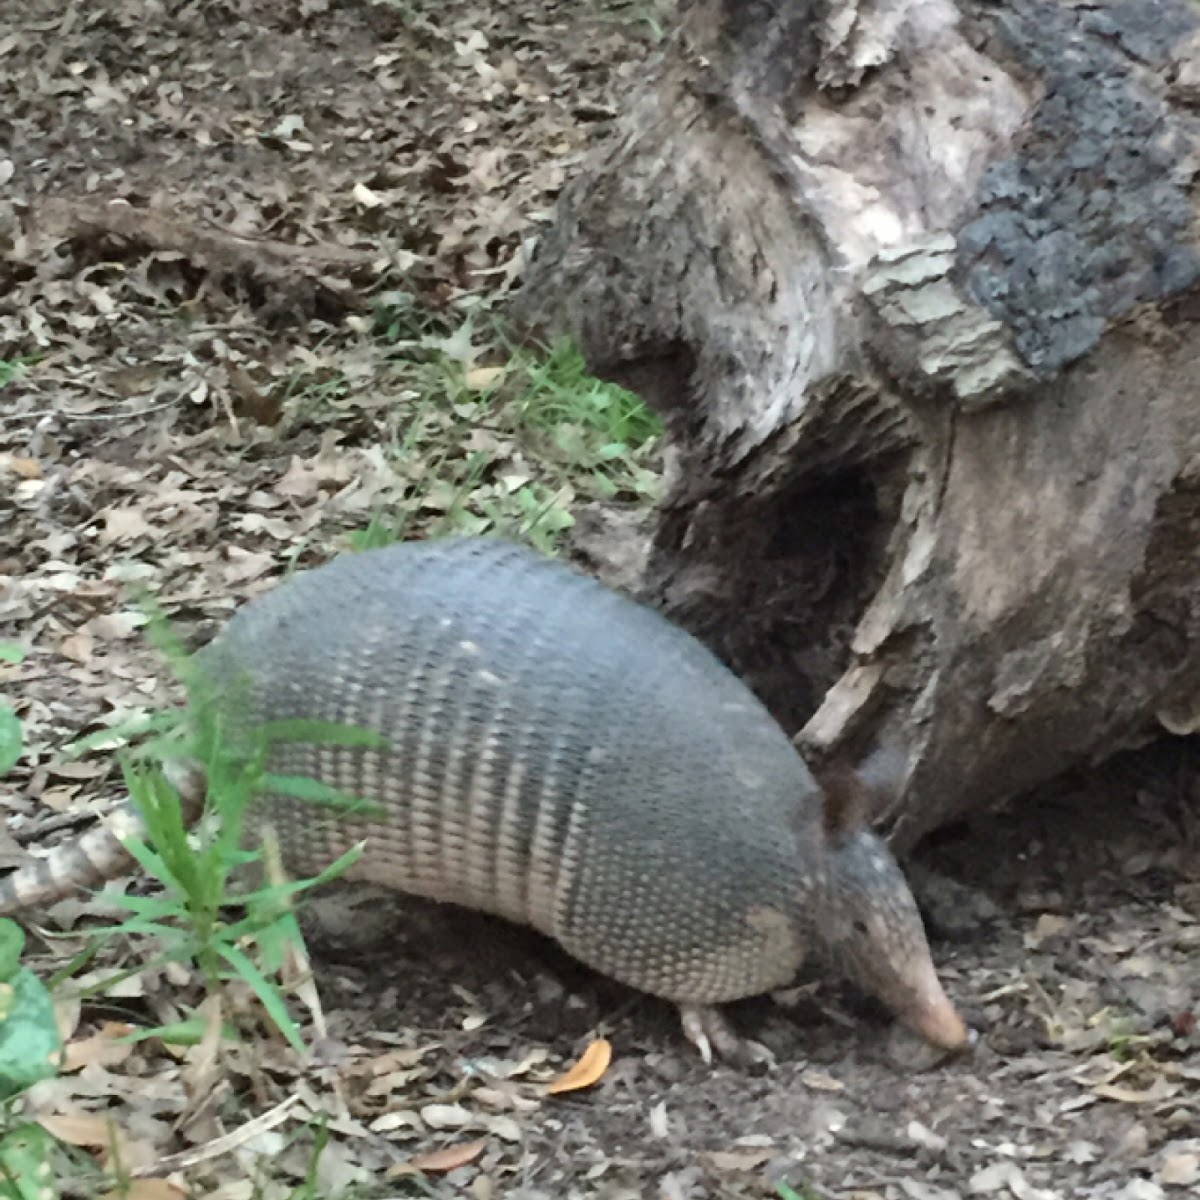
[708,1029]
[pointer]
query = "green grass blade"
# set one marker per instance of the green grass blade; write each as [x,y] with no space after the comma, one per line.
[267,993]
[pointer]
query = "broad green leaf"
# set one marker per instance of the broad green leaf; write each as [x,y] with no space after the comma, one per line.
[12,942]
[30,1048]
[267,993]
[25,1171]
[11,744]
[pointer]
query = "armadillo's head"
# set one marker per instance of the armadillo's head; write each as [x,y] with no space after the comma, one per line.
[871,931]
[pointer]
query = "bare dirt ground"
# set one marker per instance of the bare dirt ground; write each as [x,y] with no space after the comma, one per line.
[228,231]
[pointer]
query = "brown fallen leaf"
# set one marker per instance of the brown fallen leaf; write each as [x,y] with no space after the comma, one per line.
[1049,925]
[27,468]
[479,378]
[588,1070]
[449,1158]
[124,525]
[1160,1089]
[102,1048]
[102,1136]
[1180,1170]
[78,647]
[148,1189]
[740,1160]
[245,565]
[81,1129]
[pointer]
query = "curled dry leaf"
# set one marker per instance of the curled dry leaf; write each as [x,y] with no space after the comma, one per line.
[449,1158]
[1159,1089]
[505,1128]
[365,196]
[588,1070]
[820,1082]
[446,1116]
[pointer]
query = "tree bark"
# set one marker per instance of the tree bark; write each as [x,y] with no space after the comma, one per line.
[914,284]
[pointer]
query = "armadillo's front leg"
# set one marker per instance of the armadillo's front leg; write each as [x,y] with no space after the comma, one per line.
[708,1029]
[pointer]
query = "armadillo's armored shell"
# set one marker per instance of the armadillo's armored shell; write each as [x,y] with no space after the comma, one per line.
[557,754]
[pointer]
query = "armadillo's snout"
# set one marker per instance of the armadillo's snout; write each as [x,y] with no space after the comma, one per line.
[877,935]
[934,1017]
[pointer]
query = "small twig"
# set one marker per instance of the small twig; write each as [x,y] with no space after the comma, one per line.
[221,1145]
[898,1144]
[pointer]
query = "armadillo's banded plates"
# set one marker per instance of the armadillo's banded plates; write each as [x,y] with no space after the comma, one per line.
[556,754]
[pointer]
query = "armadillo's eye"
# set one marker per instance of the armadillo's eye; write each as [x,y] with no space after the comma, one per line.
[860,926]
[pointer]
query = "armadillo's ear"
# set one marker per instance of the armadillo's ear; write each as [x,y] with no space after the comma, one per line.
[855,799]
[847,800]
[884,773]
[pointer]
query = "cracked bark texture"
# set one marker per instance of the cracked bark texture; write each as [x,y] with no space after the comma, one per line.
[914,284]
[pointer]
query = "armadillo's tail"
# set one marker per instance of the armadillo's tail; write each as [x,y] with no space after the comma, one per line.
[95,857]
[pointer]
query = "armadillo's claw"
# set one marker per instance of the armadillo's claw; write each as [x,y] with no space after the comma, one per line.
[708,1030]
[693,1030]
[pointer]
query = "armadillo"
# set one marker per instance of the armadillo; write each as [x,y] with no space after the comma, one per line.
[565,757]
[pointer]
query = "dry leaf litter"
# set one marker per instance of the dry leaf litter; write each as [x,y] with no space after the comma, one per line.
[231,232]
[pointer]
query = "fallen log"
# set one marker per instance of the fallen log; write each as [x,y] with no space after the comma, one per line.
[914,285]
